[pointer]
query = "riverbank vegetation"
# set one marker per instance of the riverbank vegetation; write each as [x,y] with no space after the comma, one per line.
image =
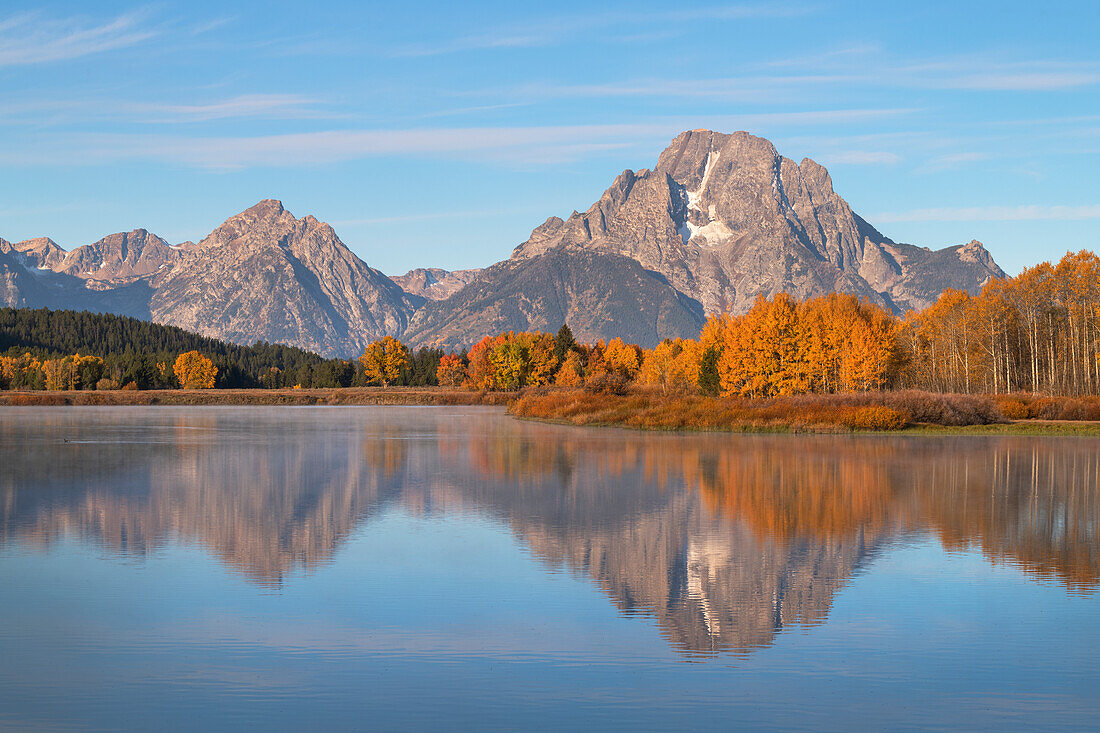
[42,349]
[1025,348]
[657,410]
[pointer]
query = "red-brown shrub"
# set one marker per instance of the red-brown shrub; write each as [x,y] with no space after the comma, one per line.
[875,417]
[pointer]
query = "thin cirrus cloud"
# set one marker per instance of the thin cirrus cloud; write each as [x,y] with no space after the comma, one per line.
[860,157]
[29,38]
[557,30]
[871,65]
[275,106]
[740,89]
[1016,76]
[993,213]
[245,106]
[951,161]
[527,145]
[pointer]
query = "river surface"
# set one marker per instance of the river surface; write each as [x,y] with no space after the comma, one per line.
[452,568]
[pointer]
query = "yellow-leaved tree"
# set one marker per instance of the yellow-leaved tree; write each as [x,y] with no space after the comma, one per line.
[451,372]
[622,357]
[383,360]
[571,373]
[195,371]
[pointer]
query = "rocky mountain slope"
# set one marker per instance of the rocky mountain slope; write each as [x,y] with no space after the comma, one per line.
[434,283]
[726,218]
[118,256]
[720,220]
[600,295]
[262,275]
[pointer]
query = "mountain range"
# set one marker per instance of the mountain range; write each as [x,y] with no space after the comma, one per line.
[720,220]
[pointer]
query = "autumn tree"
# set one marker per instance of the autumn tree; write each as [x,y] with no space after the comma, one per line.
[672,365]
[451,371]
[571,372]
[622,358]
[195,371]
[512,361]
[481,373]
[383,360]
[657,362]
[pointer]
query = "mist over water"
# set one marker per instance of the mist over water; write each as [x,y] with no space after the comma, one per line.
[411,567]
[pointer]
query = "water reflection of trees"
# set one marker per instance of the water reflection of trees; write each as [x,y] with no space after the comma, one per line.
[724,540]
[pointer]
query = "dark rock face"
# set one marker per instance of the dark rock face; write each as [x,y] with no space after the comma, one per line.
[600,294]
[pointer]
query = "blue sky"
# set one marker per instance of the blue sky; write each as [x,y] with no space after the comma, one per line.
[440,134]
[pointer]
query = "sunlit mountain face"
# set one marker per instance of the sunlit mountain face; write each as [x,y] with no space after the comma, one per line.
[724,541]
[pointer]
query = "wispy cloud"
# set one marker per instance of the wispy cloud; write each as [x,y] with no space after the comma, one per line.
[526,145]
[952,160]
[212,25]
[992,213]
[872,65]
[818,60]
[977,74]
[30,38]
[740,89]
[246,105]
[861,157]
[470,110]
[552,31]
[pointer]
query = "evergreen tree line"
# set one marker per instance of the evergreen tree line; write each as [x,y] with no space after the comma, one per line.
[38,344]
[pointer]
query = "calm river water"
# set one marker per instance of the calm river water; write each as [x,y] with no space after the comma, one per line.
[427,567]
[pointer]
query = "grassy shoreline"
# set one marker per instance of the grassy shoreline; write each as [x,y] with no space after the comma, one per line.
[1037,428]
[638,410]
[898,413]
[258,397]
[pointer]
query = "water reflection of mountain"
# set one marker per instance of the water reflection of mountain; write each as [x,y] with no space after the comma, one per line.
[260,495]
[724,540]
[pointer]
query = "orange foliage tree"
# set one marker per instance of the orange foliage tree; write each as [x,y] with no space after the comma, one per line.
[512,361]
[195,371]
[383,360]
[451,371]
[1038,331]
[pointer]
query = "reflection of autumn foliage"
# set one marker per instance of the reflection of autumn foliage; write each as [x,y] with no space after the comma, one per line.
[818,491]
[1034,503]
[385,454]
[268,505]
[1030,502]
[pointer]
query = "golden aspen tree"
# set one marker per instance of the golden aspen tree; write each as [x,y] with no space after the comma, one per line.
[509,358]
[542,360]
[571,372]
[383,360]
[195,371]
[656,368]
[482,372]
[622,357]
[684,371]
